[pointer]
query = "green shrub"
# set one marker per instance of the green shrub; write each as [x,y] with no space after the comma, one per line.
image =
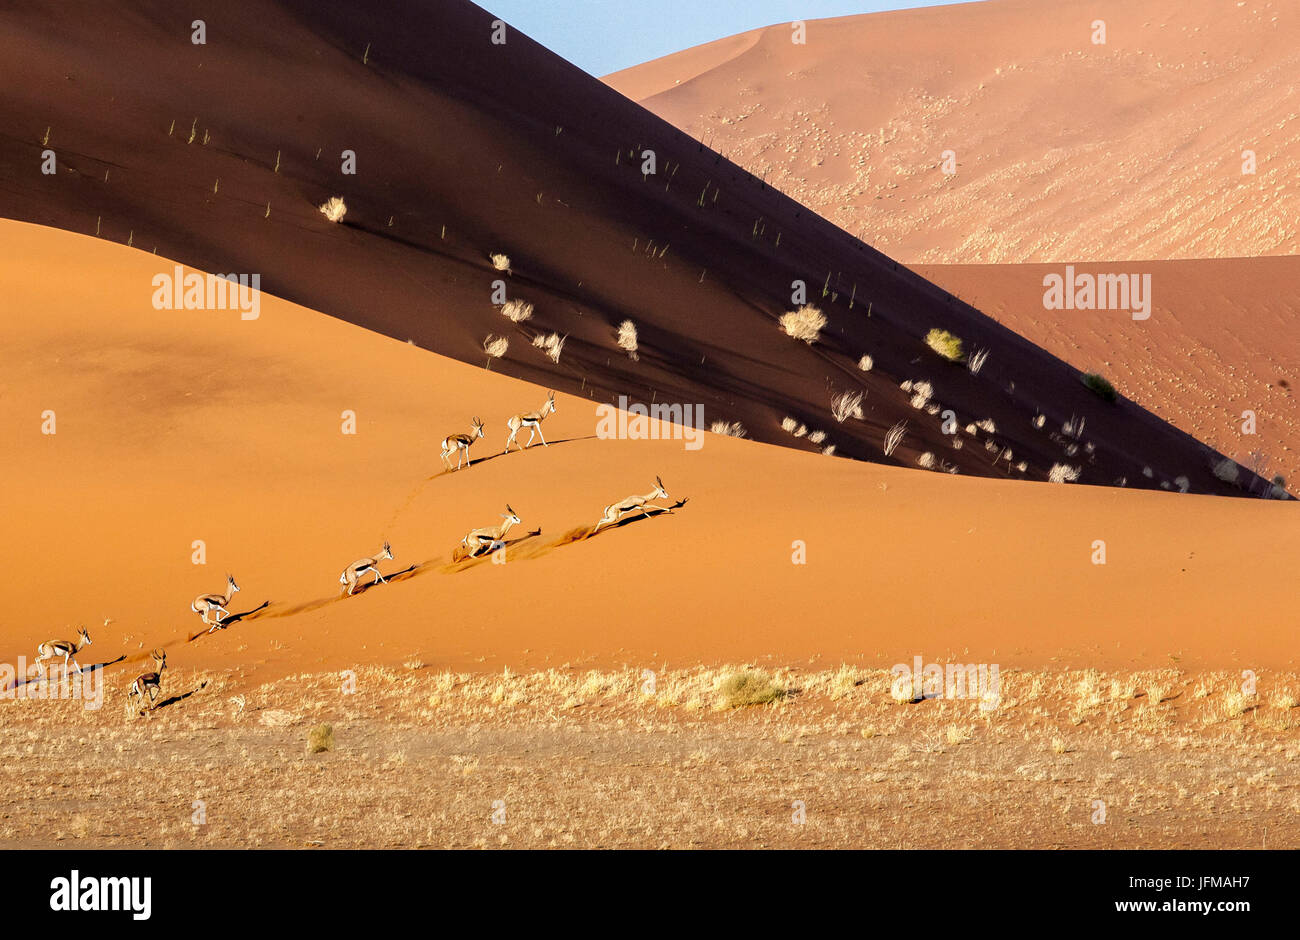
[1100,386]
[945,344]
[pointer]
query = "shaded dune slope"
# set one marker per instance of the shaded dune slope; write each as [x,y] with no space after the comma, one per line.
[464,148]
[177,427]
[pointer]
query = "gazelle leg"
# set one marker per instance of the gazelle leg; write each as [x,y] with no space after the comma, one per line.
[532,432]
[542,436]
[378,577]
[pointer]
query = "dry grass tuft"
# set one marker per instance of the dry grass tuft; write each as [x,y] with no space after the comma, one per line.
[627,339]
[729,428]
[751,687]
[806,323]
[550,343]
[1062,473]
[496,346]
[501,263]
[517,311]
[866,363]
[334,209]
[847,405]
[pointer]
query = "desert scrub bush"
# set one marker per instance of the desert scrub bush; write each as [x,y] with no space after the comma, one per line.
[1100,386]
[847,405]
[627,339]
[866,363]
[550,343]
[945,344]
[806,323]
[729,428]
[320,738]
[977,360]
[816,437]
[926,460]
[895,437]
[495,347]
[517,311]
[500,262]
[334,209]
[740,689]
[1062,473]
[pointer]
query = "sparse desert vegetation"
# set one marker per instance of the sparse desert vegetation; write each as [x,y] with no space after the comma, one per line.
[550,343]
[517,311]
[945,344]
[334,209]
[729,428]
[627,339]
[1100,386]
[805,324]
[704,757]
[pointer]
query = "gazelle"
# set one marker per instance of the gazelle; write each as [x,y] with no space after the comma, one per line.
[53,649]
[531,420]
[150,684]
[460,444]
[353,572]
[205,604]
[616,511]
[490,535]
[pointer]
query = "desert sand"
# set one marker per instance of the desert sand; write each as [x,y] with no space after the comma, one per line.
[1064,149]
[472,680]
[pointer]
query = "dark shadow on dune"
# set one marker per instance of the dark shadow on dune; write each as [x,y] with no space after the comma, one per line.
[398,576]
[177,698]
[232,619]
[479,460]
[32,678]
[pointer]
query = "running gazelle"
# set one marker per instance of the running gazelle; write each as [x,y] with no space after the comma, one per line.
[353,572]
[531,420]
[205,604]
[616,511]
[492,535]
[149,685]
[459,443]
[53,649]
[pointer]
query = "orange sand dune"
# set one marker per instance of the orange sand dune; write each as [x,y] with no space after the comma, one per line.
[1221,341]
[218,155]
[1064,149]
[173,427]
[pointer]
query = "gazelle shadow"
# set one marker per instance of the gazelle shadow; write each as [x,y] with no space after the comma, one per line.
[32,678]
[172,700]
[505,453]
[232,619]
[633,516]
[397,576]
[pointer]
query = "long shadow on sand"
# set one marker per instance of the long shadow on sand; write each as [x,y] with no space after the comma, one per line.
[460,562]
[506,453]
[342,595]
[32,679]
[172,700]
[232,619]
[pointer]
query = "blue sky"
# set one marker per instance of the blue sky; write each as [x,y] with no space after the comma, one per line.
[603,36]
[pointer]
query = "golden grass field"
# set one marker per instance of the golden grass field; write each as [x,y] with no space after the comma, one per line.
[582,759]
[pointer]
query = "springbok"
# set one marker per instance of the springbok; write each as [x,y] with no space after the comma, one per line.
[492,535]
[616,511]
[531,420]
[150,684]
[52,649]
[205,604]
[460,444]
[353,572]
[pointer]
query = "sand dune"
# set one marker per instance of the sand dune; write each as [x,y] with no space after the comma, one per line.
[1064,150]
[219,155]
[173,427]
[1221,342]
